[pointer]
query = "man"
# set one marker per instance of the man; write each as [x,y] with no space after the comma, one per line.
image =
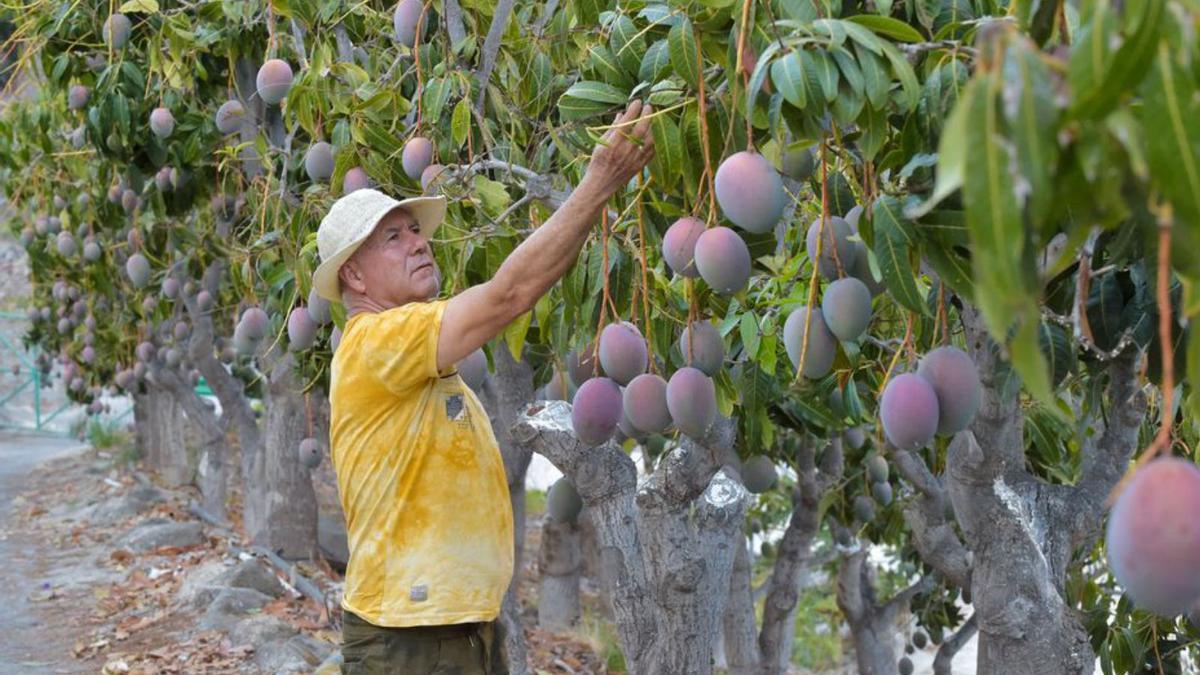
[419,473]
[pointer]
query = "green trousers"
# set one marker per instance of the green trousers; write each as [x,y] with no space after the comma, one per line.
[461,649]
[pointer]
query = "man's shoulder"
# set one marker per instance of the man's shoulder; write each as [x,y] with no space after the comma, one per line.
[413,309]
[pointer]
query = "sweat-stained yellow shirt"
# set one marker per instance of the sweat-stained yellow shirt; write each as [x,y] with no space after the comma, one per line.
[420,477]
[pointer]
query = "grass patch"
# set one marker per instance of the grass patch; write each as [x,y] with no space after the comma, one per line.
[535,502]
[602,636]
[113,438]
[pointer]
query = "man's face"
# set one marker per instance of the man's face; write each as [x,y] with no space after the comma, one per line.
[395,265]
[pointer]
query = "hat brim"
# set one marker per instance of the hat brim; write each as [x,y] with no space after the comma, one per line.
[429,213]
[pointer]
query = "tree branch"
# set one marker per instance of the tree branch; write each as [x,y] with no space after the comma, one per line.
[227,388]
[491,48]
[685,472]
[933,533]
[900,601]
[951,647]
[1106,456]
[605,478]
[795,550]
[454,21]
[547,12]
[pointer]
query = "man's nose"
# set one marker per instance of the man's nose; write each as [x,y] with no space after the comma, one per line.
[419,244]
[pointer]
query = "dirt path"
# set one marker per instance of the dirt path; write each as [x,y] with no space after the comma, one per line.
[28,642]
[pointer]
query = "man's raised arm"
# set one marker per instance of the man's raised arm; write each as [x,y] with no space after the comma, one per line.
[479,313]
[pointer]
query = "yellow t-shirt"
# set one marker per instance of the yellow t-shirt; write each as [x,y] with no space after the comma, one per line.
[420,477]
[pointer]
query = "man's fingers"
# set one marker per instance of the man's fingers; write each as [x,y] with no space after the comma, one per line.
[631,112]
[642,130]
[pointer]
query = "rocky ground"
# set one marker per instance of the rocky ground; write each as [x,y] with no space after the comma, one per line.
[109,572]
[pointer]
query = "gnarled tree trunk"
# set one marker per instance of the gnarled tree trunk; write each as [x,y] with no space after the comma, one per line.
[282,484]
[559,564]
[214,449]
[872,624]
[1024,531]
[667,547]
[159,434]
[769,650]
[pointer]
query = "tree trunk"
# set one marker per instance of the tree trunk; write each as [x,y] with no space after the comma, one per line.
[213,474]
[795,551]
[283,485]
[666,547]
[159,434]
[740,634]
[214,448]
[559,564]
[945,654]
[506,393]
[872,624]
[1023,532]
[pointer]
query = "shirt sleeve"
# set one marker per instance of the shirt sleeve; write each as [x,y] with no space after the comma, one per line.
[400,347]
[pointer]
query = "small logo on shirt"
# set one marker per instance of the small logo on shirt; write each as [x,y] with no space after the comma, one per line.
[419,593]
[455,410]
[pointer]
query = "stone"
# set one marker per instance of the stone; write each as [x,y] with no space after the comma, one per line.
[230,606]
[207,581]
[117,509]
[159,532]
[260,629]
[300,653]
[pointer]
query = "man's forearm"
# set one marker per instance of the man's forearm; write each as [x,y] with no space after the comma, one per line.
[542,259]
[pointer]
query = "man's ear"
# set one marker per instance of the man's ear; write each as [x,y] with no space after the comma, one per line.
[351,277]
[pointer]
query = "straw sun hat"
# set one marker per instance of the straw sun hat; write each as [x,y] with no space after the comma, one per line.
[352,219]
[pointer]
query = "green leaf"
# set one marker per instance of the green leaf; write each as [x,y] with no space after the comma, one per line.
[685,55]
[894,240]
[864,37]
[667,165]
[598,92]
[437,94]
[1030,112]
[492,195]
[927,12]
[514,335]
[587,12]
[876,81]
[832,29]
[849,103]
[571,108]
[904,72]
[851,73]
[655,62]
[146,6]
[951,267]
[627,45]
[998,239]
[605,67]
[1099,84]
[460,122]
[761,69]
[787,74]
[1092,55]
[1193,366]
[952,156]
[824,70]
[885,25]
[1170,114]
[874,126]
[748,329]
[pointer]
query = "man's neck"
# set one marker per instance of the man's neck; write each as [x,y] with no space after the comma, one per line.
[361,304]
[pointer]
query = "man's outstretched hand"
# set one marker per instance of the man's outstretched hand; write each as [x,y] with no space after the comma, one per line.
[623,151]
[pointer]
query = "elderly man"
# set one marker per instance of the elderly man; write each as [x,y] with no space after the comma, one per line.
[419,472]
